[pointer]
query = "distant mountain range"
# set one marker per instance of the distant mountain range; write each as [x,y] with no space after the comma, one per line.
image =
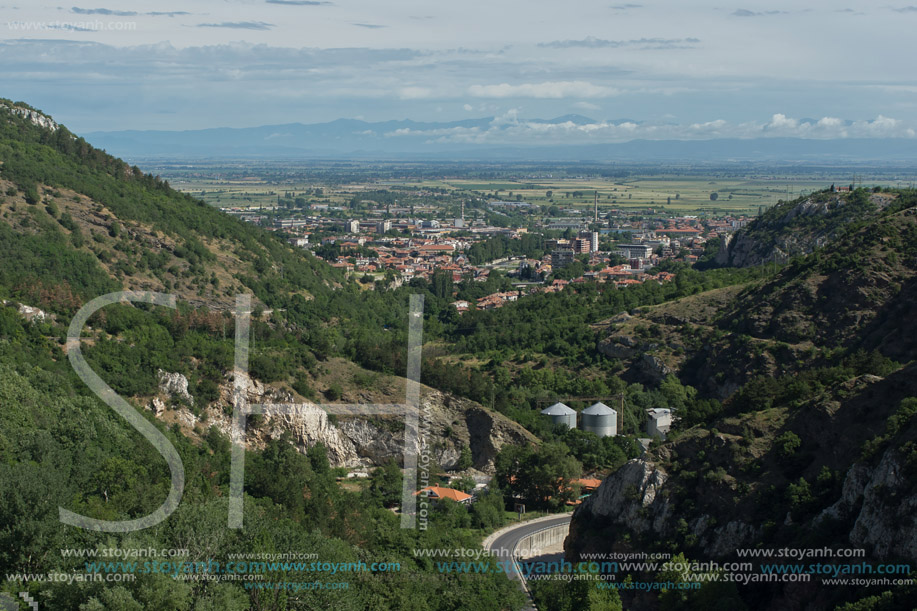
[460,140]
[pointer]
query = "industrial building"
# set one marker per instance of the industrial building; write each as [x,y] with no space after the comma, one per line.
[658,422]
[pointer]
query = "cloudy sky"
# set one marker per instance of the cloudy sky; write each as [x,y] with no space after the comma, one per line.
[653,69]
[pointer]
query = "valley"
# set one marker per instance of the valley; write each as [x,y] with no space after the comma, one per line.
[772,326]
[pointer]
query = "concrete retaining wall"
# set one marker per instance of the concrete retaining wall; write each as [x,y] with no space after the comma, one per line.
[539,541]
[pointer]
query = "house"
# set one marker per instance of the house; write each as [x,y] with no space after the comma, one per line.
[588,484]
[299,242]
[438,493]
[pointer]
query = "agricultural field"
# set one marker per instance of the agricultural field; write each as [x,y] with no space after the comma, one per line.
[689,193]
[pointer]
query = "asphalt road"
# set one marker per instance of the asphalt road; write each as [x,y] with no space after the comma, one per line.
[502,546]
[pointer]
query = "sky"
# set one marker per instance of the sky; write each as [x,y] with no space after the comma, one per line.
[654,69]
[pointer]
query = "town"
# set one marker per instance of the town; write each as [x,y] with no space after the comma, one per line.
[541,249]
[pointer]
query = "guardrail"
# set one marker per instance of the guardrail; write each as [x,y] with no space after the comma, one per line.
[537,540]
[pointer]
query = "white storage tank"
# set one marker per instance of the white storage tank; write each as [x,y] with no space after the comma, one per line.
[561,414]
[601,420]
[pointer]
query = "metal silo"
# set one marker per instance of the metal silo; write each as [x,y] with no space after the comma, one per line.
[601,420]
[561,414]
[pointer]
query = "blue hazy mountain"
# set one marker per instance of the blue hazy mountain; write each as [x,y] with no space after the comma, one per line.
[406,139]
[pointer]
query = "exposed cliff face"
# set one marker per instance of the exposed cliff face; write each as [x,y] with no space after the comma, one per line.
[636,501]
[450,424]
[882,503]
[743,250]
[31,115]
[629,498]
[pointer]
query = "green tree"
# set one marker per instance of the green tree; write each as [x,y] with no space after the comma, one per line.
[465,459]
[385,484]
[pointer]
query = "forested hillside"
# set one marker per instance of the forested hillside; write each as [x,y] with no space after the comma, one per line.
[813,445]
[77,223]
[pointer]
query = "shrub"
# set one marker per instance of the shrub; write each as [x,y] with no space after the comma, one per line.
[787,444]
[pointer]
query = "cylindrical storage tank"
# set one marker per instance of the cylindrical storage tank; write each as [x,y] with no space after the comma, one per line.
[561,414]
[601,420]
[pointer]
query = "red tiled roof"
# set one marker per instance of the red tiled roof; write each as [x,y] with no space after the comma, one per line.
[444,493]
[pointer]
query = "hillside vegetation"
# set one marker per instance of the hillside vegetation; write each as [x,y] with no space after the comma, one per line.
[815,443]
[76,223]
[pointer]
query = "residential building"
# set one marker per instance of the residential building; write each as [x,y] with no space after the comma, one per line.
[438,493]
[581,245]
[635,251]
[561,257]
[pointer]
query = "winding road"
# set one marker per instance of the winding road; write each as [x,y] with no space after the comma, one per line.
[504,543]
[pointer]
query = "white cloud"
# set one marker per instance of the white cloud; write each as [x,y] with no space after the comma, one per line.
[587,106]
[780,121]
[509,128]
[546,90]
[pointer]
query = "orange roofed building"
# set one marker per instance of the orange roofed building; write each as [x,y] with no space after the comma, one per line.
[437,493]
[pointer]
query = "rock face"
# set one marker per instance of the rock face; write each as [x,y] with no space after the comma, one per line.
[30,313]
[619,347]
[34,116]
[629,497]
[157,406]
[447,425]
[175,385]
[744,250]
[310,425]
[653,368]
[634,500]
[883,505]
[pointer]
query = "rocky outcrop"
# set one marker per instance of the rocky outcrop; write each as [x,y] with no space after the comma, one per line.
[882,503]
[745,250]
[619,347]
[310,426]
[157,406]
[448,424]
[652,368]
[175,386]
[629,498]
[634,500]
[33,116]
[30,313]
[794,228]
